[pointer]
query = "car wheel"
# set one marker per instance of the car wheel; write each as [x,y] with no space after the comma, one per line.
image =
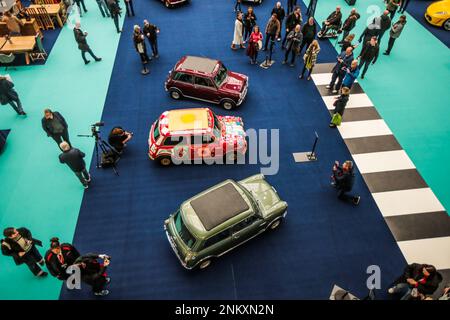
[228,104]
[275,224]
[175,94]
[204,264]
[447,25]
[165,161]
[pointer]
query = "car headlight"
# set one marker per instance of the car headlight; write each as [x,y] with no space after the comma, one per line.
[189,256]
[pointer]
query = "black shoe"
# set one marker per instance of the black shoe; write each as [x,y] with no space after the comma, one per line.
[283,62]
[386,53]
[22,113]
[98,59]
[356,200]
[292,65]
[362,77]
[42,262]
[87,61]
[300,76]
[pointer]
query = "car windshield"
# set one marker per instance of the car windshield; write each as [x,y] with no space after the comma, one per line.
[255,204]
[183,231]
[217,124]
[220,76]
[156,131]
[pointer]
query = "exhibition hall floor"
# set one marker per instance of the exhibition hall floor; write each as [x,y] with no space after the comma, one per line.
[322,242]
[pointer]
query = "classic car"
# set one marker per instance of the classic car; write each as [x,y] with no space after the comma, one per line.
[185,135]
[223,217]
[207,80]
[438,14]
[171,3]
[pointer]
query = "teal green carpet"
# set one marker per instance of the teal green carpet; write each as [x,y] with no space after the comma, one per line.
[49,204]
[410,90]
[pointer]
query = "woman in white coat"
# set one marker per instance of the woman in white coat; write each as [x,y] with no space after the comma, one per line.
[238,39]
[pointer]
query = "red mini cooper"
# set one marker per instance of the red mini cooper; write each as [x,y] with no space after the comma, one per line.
[183,135]
[207,80]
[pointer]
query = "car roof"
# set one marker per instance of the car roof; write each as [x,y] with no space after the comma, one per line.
[215,209]
[185,121]
[194,64]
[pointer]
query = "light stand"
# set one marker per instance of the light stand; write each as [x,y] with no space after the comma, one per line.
[269,62]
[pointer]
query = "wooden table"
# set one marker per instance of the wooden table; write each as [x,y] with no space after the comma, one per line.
[29,28]
[21,44]
[53,10]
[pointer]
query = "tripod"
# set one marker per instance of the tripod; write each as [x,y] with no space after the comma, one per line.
[104,147]
[269,62]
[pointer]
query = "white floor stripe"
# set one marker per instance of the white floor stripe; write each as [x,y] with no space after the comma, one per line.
[402,202]
[383,161]
[435,251]
[367,128]
[357,100]
[321,79]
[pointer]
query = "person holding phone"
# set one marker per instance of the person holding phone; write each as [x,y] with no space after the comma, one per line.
[93,272]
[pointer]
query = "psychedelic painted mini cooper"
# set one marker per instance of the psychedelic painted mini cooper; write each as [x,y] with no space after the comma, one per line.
[223,217]
[206,80]
[197,134]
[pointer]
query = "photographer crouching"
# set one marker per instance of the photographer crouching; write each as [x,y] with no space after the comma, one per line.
[93,272]
[118,139]
[343,179]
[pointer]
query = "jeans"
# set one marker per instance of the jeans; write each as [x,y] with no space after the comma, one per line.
[268,38]
[292,52]
[31,258]
[103,8]
[115,17]
[365,63]
[404,290]
[60,137]
[390,45]
[305,43]
[337,75]
[237,5]
[291,5]
[404,6]
[80,3]
[17,105]
[129,8]
[247,32]
[154,46]
[83,176]
[83,55]
[304,69]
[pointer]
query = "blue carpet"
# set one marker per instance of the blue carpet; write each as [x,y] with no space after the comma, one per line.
[417,9]
[322,242]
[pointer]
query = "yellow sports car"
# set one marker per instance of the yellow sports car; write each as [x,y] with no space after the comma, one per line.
[438,14]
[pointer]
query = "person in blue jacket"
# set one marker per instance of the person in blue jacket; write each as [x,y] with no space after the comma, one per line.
[351,74]
[344,59]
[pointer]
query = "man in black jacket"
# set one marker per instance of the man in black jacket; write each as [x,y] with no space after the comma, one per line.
[74,160]
[279,10]
[372,30]
[333,21]
[309,33]
[349,24]
[80,38]
[369,54]
[422,278]
[292,21]
[55,126]
[343,180]
[10,96]
[21,246]
[93,272]
[115,11]
[60,257]
[151,32]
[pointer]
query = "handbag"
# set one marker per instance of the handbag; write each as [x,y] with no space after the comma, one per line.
[337,119]
[260,45]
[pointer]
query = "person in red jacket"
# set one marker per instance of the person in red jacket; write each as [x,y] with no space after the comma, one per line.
[254,44]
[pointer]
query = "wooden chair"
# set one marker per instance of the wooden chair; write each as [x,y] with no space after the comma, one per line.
[39,53]
[34,14]
[46,19]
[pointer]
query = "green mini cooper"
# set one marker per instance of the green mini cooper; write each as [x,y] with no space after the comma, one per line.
[221,218]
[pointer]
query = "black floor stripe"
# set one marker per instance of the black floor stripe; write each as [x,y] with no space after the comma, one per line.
[356,88]
[419,226]
[394,180]
[445,273]
[372,144]
[323,68]
[360,114]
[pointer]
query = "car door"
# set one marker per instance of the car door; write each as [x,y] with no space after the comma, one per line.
[215,245]
[202,147]
[185,83]
[246,229]
[205,89]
